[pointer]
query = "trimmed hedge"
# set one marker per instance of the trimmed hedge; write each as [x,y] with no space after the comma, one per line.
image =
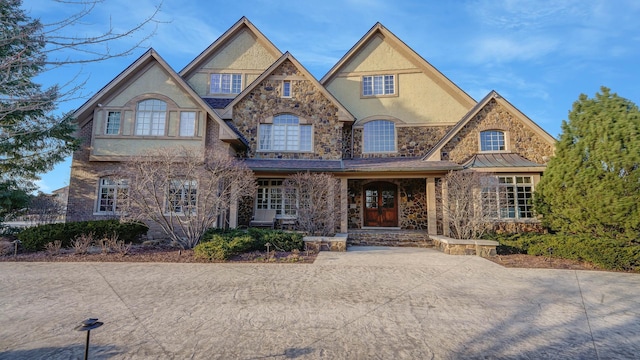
[610,254]
[223,244]
[35,238]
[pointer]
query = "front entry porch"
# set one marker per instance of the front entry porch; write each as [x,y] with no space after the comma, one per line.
[389,237]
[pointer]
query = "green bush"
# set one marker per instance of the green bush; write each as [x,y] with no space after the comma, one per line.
[610,254]
[280,240]
[35,238]
[220,247]
[219,244]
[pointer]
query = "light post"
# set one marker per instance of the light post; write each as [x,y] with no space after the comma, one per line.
[87,326]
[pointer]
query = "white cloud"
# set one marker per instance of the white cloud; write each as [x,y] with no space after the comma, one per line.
[493,49]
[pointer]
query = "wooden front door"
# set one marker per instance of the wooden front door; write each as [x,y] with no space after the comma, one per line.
[381,204]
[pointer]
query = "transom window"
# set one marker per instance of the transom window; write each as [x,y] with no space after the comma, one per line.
[112,193]
[151,117]
[271,196]
[378,85]
[188,123]
[492,140]
[226,83]
[113,123]
[510,198]
[285,134]
[379,136]
[182,196]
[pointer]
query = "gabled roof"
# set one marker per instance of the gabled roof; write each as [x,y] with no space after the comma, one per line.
[493,95]
[241,24]
[419,61]
[343,113]
[85,112]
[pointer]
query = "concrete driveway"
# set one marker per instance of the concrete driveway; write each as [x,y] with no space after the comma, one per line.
[367,303]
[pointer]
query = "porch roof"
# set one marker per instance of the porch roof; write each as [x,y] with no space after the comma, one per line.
[351,165]
[500,160]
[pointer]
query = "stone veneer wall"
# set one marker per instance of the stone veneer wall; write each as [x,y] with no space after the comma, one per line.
[306,102]
[412,213]
[522,139]
[412,141]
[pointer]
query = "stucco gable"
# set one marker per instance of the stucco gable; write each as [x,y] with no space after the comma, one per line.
[380,42]
[493,112]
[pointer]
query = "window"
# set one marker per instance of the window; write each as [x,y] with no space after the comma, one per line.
[182,196]
[286,88]
[510,198]
[285,134]
[112,193]
[226,83]
[188,123]
[151,117]
[271,196]
[379,136]
[492,140]
[378,85]
[113,123]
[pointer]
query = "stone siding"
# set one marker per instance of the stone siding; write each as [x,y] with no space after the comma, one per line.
[412,141]
[522,139]
[406,238]
[306,102]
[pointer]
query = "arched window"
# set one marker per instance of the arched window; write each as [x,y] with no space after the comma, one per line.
[285,134]
[492,140]
[151,117]
[379,136]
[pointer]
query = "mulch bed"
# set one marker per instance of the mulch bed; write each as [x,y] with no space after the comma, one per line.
[540,262]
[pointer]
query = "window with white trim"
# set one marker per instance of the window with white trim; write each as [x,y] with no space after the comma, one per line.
[378,85]
[226,83]
[151,117]
[285,134]
[182,196]
[271,196]
[113,123]
[286,88]
[112,193]
[379,136]
[188,123]
[510,198]
[492,140]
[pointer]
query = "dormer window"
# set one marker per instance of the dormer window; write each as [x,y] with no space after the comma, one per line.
[226,83]
[492,140]
[375,85]
[151,117]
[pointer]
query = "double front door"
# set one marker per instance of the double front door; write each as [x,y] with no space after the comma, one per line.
[381,204]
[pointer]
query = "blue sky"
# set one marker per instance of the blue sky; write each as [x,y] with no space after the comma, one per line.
[540,55]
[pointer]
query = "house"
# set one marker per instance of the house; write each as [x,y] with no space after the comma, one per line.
[383,121]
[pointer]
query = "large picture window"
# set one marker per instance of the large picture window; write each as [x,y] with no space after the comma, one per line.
[112,193]
[182,196]
[226,83]
[151,117]
[271,196]
[510,198]
[378,85]
[285,134]
[492,140]
[379,136]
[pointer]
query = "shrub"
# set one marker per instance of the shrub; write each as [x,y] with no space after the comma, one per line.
[280,240]
[610,254]
[36,238]
[222,248]
[223,244]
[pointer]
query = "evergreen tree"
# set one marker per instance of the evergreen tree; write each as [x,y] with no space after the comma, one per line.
[592,184]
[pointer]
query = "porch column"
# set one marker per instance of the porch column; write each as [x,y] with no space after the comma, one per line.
[233,210]
[432,226]
[445,214]
[344,205]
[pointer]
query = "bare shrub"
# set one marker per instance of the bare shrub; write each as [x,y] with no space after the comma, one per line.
[6,247]
[53,248]
[183,193]
[315,197]
[465,203]
[82,243]
[116,245]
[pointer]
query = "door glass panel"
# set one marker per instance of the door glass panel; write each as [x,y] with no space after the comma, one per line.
[371,199]
[387,199]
